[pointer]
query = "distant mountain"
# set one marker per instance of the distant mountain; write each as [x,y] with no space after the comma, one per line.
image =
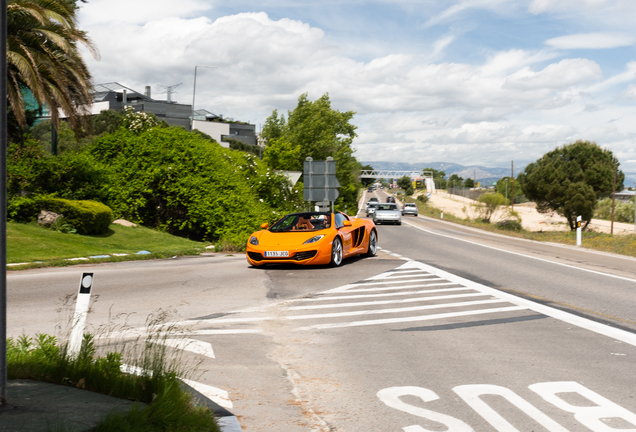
[486,175]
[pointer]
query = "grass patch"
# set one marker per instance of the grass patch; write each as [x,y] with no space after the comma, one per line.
[30,242]
[618,244]
[155,382]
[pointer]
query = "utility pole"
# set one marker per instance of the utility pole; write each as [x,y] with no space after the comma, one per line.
[3,203]
[474,183]
[613,198]
[512,185]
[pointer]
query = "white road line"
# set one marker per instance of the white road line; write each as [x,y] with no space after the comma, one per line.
[219,396]
[386,282]
[356,313]
[226,332]
[395,272]
[621,335]
[192,345]
[391,288]
[394,310]
[523,255]
[391,273]
[347,297]
[231,320]
[393,277]
[385,302]
[413,319]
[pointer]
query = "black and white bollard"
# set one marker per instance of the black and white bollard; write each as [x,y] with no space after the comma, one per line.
[578,230]
[81,310]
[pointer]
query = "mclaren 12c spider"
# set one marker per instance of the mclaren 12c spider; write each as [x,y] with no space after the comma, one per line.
[315,238]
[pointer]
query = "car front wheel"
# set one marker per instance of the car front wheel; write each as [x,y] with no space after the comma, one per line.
[373,244]
[336,252]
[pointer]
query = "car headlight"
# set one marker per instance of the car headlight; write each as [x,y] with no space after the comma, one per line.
[253,241]
[314,239]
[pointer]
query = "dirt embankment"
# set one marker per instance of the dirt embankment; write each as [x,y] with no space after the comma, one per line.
[531,219]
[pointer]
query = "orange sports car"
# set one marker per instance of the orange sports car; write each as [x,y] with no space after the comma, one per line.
[312,238]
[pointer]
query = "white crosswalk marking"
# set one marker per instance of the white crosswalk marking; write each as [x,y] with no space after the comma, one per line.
[410,293]
[377,295]
[413,319]
[385,302]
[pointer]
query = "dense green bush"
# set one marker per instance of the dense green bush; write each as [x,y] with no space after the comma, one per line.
[87,217]
[241,146]
[182,183]
[31,170]
[164,178]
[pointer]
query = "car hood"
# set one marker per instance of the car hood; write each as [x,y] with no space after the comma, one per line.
[286,239]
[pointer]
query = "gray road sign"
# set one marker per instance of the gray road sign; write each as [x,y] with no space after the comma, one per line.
[320,182]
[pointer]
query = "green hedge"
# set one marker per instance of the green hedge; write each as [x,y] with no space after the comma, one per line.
[87,217]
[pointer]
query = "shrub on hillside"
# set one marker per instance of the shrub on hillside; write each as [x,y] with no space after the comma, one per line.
[491,202]
[422,198]
[510,225]
[31,170]
[179,182]
[623,211]
[87,217]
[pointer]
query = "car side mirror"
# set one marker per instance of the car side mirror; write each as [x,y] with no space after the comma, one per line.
[346,223]
[265,225]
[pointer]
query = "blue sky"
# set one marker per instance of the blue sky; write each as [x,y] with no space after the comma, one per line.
[465,81]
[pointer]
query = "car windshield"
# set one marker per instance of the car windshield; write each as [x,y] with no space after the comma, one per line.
[311,221]
[409,205]
[373,204]
[387,207]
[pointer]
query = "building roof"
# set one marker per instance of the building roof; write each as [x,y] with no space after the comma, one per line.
[100,91]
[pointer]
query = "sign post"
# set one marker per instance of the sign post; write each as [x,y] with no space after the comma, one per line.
[320,182]
[79,318]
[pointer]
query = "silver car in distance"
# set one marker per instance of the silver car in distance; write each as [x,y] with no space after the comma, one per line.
[387,213]
[409,208]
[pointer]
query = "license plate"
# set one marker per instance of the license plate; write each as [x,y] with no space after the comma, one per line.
[276,254]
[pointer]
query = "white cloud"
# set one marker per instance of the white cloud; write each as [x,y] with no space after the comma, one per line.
[591,41]
[138,11]
[561,75]
[541,6]
[440,44]
[464,6]
[410,106]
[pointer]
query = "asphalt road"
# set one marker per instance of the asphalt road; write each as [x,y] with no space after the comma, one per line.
[424,337]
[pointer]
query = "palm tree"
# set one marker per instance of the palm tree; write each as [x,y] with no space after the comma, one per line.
[42,56]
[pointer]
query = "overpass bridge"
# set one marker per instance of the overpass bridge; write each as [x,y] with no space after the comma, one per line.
[427,176]
[393,174]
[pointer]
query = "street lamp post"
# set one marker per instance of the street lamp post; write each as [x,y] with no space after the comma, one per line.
[3,201]
[194,91]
